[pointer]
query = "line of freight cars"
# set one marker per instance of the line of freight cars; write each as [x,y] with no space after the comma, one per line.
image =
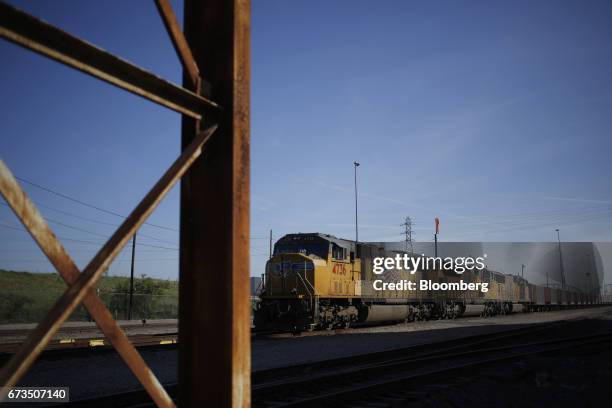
[317,281]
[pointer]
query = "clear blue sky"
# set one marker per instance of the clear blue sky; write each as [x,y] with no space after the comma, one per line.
[494,116]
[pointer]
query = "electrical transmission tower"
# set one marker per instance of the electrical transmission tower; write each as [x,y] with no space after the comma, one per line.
[408,235]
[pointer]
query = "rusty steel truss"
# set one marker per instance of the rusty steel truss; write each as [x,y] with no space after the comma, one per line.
[214,308]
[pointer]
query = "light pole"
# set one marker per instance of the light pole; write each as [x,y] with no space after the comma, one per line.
[522,287]
[437,224]
[560,259]
[132,278]
[356,164]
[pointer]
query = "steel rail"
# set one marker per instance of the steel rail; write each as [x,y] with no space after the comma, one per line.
[350,392]
[42,234]
[364,369]
[98,343]
[179,41]
[18,365]
[137,398]
[287,375]
[43,38]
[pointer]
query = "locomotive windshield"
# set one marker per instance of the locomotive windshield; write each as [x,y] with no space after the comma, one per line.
[308,247]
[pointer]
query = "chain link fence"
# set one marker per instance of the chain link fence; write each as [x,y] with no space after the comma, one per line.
[32,306]
[144,306]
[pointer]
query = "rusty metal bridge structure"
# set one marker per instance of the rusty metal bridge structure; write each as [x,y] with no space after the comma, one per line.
[214,308]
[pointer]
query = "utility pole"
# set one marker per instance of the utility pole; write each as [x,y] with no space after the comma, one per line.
[588,284]
[560,260]
[132,277]
[588,276]
[356,164]
[593,268]
[270,244]
[408,233]
[437,222]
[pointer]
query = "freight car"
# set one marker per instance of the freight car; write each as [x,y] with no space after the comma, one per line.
[318,281]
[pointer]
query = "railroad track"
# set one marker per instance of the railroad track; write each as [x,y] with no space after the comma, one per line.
[75,335]
[395,376]
[299,384]
[386,381]
[158,333]
[268,377]
[72,342]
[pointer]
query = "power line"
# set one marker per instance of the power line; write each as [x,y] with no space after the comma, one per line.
[97,222]
[87,242]
[83,203]
[38,204]
[75,250]
[258,251]
[115,261]
[92,232]
[531,226]
[75,228]
[11,227]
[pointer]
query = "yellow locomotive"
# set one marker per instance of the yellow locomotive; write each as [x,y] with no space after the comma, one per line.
[310,282]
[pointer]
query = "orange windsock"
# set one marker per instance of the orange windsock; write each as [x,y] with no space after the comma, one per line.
[437,225]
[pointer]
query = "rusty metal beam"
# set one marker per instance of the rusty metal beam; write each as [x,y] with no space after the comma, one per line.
[36,342]
[37,35]
[38,228]
[214,309]
[178,40]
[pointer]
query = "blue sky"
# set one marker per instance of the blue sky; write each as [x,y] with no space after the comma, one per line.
[493,116]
